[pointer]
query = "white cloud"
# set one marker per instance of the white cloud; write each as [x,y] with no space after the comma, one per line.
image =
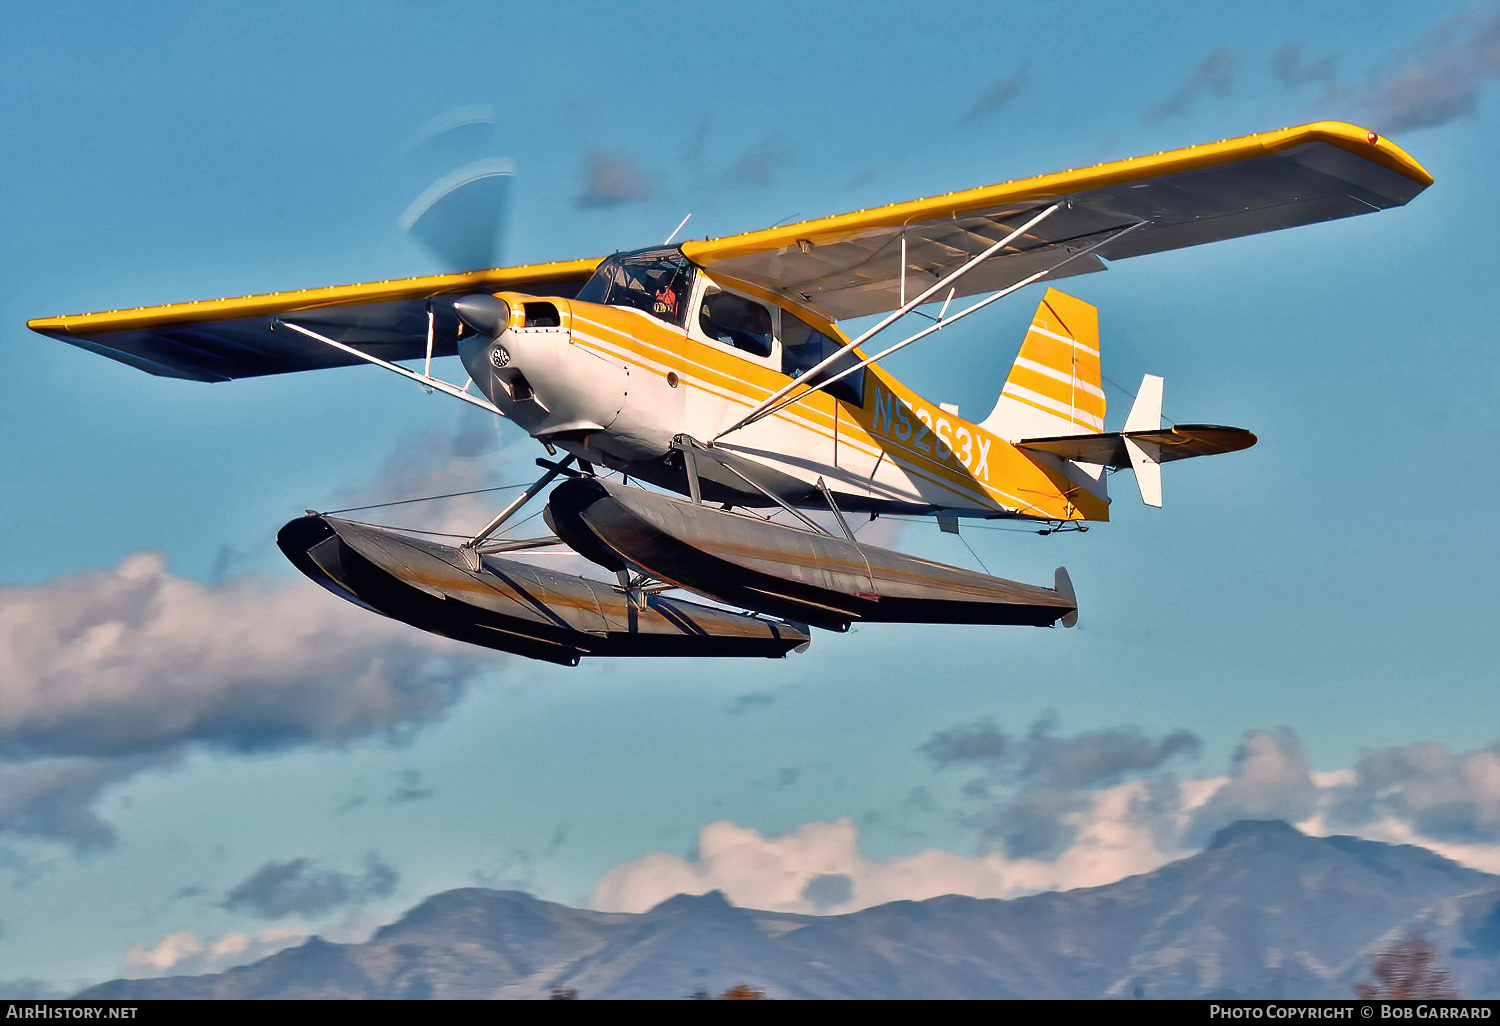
[1271,779]
[134,659]
[1114,832]
[775,872]
[1425,794]
[105,673]
[183,954]
[1032,789]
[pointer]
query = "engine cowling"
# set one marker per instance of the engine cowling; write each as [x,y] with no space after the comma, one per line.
[524,359]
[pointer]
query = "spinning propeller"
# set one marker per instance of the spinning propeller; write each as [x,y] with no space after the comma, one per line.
[460,219]
[460,216]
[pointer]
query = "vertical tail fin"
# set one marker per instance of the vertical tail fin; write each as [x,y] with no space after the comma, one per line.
[1054,388]
[1145,457]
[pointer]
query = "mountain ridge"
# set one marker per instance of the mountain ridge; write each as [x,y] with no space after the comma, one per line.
[1262,911]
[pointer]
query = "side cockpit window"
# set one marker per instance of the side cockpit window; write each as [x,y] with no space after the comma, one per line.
[736,321]
[803,347]
[656,281]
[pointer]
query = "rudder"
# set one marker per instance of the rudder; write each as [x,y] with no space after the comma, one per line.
[1055,386]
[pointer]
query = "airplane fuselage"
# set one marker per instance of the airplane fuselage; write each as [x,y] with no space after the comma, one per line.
[617,385]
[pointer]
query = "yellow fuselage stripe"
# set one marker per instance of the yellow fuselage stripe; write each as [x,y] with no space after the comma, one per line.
[644,342]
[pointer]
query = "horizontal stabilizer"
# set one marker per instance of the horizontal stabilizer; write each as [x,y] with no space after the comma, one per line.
[1175,443]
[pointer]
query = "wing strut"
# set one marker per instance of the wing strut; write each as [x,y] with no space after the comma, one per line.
[427,367]
[425,380]
[834,507]
[692,448]
[942,322]
[891,318]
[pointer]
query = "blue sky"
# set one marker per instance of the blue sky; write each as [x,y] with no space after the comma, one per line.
[202,746]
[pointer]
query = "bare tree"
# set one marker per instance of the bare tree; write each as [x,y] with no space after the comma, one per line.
[1407,970]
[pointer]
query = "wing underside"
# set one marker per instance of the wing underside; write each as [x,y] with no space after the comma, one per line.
[863,263]
[850,265]
[225,339]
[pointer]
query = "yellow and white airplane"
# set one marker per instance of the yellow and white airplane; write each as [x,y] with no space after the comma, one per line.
[717,370]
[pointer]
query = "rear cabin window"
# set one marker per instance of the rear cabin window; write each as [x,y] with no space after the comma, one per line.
[736,321]
[656,281]
[803,347]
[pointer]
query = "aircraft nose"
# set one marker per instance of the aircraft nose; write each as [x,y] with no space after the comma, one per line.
[485,314]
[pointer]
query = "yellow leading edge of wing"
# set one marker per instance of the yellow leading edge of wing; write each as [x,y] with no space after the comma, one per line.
[494,280]
[1355,140]
[956,204]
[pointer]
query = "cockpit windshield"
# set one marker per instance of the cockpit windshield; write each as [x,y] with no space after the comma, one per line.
[655,280]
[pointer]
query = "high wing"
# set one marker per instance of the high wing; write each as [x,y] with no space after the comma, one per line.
[222,339]
[851,265]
